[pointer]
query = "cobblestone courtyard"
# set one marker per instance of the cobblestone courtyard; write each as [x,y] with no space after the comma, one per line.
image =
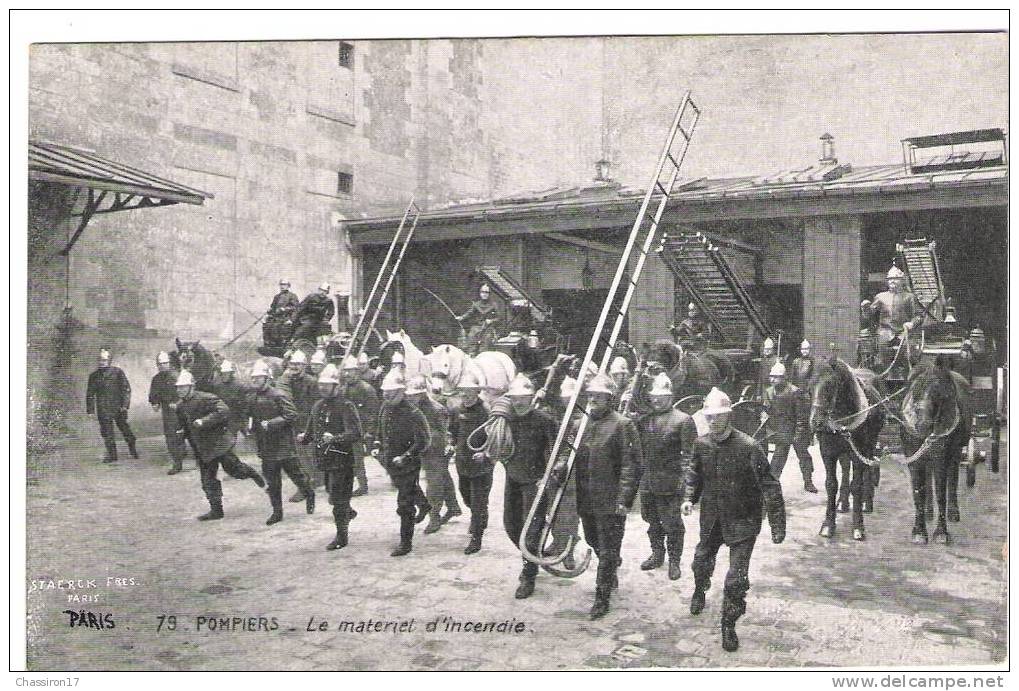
[883,602]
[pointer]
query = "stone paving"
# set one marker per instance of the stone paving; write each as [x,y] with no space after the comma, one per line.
[814,602]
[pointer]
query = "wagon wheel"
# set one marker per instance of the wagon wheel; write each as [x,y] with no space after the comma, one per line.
[689,404]
[995,442]
[746,417]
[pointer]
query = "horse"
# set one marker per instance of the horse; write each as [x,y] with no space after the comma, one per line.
[194,357]
[935,427]
[692,373]
[414,360]
[847,414]
[448,363]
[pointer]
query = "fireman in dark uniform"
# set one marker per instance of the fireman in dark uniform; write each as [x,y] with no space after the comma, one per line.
[787,412]
[202,419]
[530,434]
[163,397]
[334,428]
[435,461]
[314,314]
[234,394]
[693,326]
[667,438]
[730,476]
[279,320]
[482,321]
[897,311]
[608,469]
[273,416]
[403,437]
[768,359]
[473,470]
[802,367]
[108,395]
[366,401]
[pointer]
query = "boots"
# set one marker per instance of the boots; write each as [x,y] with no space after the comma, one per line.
[808,485]
[474,545]
[527,578]
[309,501]
[697,600]
[451,512]
[656,559]
[434,522]
[406,537]
[424,510]
[277,509]
[298,497]
[132,448]
[111,450]
[601,602]
[341,516]
[215,507]
[732,609]
[675,554]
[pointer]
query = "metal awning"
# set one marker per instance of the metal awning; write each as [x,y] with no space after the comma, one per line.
[111,186]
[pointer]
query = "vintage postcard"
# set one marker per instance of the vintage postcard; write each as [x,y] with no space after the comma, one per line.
[532,353]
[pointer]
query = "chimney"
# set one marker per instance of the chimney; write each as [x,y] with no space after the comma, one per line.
[828,150]
[601,170]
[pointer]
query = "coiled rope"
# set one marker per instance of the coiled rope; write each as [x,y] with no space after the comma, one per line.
[498,437]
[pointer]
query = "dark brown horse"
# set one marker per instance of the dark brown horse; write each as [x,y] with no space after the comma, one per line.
[194,357]
[935,428]
[847,413]
[692,373]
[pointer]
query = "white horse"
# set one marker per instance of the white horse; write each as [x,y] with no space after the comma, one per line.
[494,370]
[414,361]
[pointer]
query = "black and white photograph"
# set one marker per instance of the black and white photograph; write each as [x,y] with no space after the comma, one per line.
[436,349]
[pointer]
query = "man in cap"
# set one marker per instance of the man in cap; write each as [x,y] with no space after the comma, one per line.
[403,436]
[608,468]
[897,311]
[667,438]
[768,359]
[435,460]
[730,476]
[108,396]
[694,325]
[530,436]
[481,320]
[787,412]
[272,415]
[163,397]
[473,470]
[366,401]
[203,419]
[803,367]
[314,314]
[334,427]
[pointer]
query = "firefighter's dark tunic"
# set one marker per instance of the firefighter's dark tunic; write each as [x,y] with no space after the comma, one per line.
[608,469]
[108,395]
[733,482]
[667,440]
[403,431]
[788,412]
[475,476]
[533,437]
[212,442]
[335,458]
[276,445]
[163,393]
